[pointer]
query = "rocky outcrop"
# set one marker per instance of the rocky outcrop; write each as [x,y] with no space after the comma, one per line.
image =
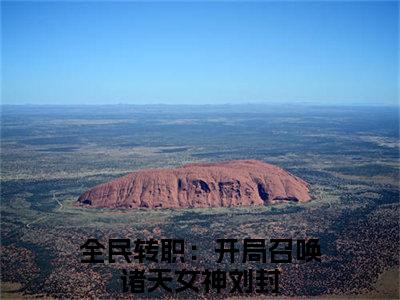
[230,183]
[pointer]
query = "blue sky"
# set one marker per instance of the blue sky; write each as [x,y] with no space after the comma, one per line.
[199,52]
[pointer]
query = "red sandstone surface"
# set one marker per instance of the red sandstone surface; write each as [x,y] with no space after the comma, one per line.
[223,184]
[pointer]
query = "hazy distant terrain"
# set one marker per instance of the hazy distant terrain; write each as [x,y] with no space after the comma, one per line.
[51,154]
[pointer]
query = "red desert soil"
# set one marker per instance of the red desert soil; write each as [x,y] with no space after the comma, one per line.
[230,183]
